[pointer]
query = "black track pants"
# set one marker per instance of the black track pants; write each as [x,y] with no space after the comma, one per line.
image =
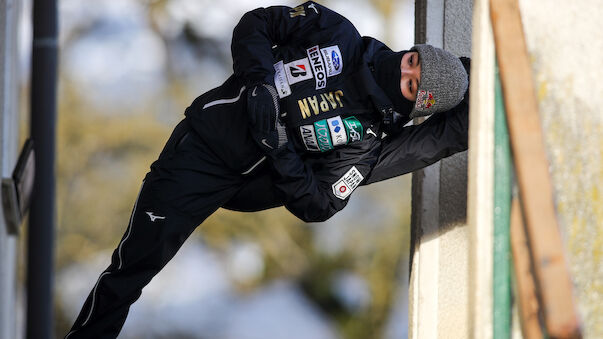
[185,185]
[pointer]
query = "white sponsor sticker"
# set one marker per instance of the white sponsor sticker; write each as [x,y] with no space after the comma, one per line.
[280,80]
[309,137]
[333,60]
[298,70]
[318,67]
[338,134]
[347,183]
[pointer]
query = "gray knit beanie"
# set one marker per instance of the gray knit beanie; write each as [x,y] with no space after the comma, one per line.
[443,83]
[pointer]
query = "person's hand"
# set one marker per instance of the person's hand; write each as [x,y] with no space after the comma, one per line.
[392,121]
[263,110]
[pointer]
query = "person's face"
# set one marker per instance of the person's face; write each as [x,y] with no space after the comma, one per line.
[410,68]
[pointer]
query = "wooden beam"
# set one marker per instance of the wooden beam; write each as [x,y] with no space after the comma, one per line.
[526,288]
[531,167]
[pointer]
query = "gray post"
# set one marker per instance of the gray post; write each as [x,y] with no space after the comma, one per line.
[439,236]
[40,244]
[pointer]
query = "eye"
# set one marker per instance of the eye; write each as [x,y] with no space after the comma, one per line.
[410,59]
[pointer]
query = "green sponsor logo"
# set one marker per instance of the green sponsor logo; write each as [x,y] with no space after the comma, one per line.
[322,135]
[354,129]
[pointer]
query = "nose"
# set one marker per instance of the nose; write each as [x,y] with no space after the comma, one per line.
[411,71]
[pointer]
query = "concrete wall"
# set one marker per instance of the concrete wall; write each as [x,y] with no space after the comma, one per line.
[480,209]
[565,43]
[439,275]
[9,113]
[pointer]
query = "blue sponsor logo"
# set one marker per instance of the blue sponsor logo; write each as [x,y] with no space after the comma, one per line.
[335,123]
[336,61]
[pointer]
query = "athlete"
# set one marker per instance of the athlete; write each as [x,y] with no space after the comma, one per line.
[312,111]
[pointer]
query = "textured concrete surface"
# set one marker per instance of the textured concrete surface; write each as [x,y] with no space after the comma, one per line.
[439,279]
[480,188]
[565,43]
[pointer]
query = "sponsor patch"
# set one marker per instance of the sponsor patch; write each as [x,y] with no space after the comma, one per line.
[333,60]
[343,187]
[322,135]
[425,100]
[309,137]
[338,134]
[280,80]
[298,70]
[353,128]
[318,67]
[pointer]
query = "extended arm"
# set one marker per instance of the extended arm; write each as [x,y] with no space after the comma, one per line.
[418,146]
[414,148]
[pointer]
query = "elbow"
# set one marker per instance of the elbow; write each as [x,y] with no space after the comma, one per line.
[316,213]
[313,216]
[317,218]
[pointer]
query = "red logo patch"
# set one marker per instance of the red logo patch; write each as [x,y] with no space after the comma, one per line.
[425,100]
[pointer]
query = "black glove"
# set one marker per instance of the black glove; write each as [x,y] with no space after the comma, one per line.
[263,109]
[392,121]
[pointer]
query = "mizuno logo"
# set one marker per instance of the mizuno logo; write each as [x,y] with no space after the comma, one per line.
[370,131]
[154,217]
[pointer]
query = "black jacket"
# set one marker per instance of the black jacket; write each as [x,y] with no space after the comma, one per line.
[319,64]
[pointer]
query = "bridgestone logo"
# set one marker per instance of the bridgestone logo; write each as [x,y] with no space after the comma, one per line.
[298,70]
[318,67]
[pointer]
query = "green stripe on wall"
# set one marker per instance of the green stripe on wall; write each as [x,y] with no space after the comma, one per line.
[502,212]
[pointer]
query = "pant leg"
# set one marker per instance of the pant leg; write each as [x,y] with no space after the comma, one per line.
[185,185]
